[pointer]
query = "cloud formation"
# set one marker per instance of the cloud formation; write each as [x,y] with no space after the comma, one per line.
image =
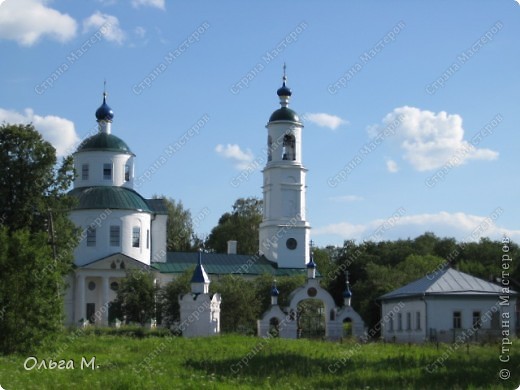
[391,165]
[464,227]
[429,140]
[58,131]
[325,120]
[109,25]
[27,21]
[240,157]
[149,3]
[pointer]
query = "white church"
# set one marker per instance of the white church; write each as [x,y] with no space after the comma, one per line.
[121,230]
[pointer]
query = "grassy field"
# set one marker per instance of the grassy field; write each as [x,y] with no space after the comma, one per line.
[232,361]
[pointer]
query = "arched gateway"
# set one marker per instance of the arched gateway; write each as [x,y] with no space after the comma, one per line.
[310,307]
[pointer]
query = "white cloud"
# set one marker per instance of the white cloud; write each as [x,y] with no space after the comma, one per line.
[391,165]
[241,158]
[107,24]
[346,198]
[140,31]
[58,131]
[429,140]
[463,227]
[149,3]
[325,120]
[27,21]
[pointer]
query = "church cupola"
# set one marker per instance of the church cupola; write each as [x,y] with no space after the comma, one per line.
[199,280]
[347,294]
[311,268]
[104,116]
[274,294]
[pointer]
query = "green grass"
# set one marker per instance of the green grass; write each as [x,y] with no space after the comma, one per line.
[231,361]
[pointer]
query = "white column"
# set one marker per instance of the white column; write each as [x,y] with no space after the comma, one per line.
[104,303]
[80,299]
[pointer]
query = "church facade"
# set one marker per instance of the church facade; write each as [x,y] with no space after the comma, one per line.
[122,230]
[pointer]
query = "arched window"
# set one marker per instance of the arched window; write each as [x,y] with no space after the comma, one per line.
[289,147]
[269,148]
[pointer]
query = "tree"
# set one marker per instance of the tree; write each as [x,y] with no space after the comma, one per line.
[169,297]
[240,306]
[180,236]
[241,225]
[37,238]
[137,296]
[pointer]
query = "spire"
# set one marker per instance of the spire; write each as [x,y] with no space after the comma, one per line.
[199,280]
[311,267]
[284,93]
[104,113]
[347,294]
[274,294]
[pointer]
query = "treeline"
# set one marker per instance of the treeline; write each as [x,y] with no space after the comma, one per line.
[376,268]
[373,268]
[243,301]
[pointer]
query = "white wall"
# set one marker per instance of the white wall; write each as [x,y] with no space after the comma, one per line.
[437,317]
[96,161]
[102,220]
[159,234]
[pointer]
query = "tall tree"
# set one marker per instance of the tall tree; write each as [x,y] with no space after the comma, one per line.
[137,297]
[180,236]
[241,224]
[169,297]
[37,238]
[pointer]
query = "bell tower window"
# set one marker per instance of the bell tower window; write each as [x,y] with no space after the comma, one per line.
[289,147]
[269,148]
[127,172]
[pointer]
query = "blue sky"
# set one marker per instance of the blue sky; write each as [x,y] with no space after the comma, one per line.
[410,108]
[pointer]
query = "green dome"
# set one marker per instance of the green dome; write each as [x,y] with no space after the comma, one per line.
[109,198]
[284,114]
[104,142]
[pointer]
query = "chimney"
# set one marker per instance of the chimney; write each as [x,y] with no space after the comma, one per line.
[232,247]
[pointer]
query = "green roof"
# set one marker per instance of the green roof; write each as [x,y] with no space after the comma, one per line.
[284,114]
[104,142]
[223,264]
[158,206]
[108,197]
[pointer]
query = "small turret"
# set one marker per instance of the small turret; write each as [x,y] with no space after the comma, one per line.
[274,294]
[347,294]
[199,280]
[311,268]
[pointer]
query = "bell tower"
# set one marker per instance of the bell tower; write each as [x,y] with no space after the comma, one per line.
[284,231]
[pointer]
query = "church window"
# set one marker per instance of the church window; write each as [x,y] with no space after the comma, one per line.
[408,321]
[391,322]
[115,235]
[291,243]
[269,148]
[457,320]
[148,239]
[127,172]
[399,322]
[418,320]
[84,172]
[107,171]
[91,286]
[136,235]
[91,236]
[289,147]
[114,286]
